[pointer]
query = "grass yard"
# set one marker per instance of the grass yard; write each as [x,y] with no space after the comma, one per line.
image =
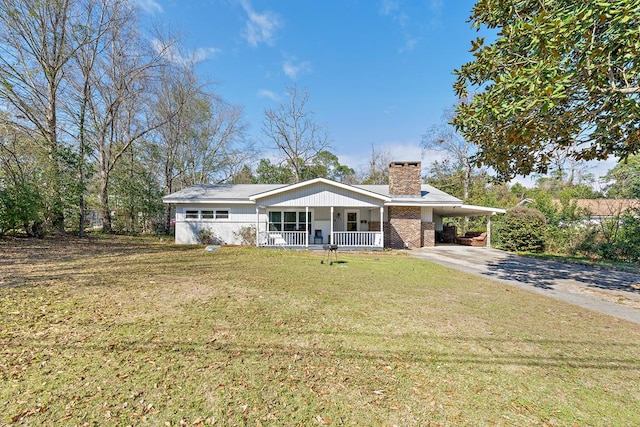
[116,331]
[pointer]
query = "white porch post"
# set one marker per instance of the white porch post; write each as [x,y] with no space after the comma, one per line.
[306,221]
[489,231]
[257,226]
[331,232]
[382,226]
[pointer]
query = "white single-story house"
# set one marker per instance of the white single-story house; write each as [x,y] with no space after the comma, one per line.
[403,214]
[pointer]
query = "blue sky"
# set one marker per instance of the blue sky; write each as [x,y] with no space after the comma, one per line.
[378,72]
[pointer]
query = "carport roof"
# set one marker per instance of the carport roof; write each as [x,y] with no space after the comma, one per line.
[466,210]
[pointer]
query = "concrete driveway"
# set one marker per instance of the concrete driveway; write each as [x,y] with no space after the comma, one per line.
[614,293]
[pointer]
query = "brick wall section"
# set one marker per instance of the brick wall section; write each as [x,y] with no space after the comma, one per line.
[405,178]
[404,227]
[428,234]
[374,225]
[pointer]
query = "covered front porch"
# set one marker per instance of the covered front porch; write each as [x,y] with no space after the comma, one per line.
[314,227]
[319,212]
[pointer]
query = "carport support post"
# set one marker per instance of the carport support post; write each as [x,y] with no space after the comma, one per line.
[489,231]
[382,226]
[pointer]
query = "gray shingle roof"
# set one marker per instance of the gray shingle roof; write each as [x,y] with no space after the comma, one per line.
[223,192]
[241,192]
[429,194]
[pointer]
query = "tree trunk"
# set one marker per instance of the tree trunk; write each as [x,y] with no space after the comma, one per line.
[56,215]
[104,198]
[167,209]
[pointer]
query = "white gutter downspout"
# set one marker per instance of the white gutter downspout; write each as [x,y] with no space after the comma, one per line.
[489,231]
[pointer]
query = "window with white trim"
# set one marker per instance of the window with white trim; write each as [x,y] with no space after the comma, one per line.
[206,214]
[288,220]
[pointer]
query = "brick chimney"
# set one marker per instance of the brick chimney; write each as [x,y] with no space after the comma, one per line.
[405,178]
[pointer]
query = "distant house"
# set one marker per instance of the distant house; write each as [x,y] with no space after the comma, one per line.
[403,214]
[599,209]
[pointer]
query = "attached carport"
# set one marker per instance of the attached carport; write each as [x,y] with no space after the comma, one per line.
[456,211]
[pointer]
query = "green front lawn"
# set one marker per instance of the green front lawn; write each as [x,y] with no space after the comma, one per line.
[118,331]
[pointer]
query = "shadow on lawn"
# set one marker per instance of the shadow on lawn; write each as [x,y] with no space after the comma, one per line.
[240,351]
[27,262]
[544,273]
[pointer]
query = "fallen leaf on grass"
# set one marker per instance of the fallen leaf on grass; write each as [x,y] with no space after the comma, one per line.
[323,420]
[32,411]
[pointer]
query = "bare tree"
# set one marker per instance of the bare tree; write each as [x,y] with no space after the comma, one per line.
[293,132]
[212,137]
[378,168]
[98,19]
[442,138]
[174,106]
[35,47]
[119,108]
[200,136]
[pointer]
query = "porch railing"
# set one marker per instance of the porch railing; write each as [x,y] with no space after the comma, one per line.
[341,238]
[283,238]
[357,238]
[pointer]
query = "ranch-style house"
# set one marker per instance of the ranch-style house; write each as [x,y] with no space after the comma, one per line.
[403,214]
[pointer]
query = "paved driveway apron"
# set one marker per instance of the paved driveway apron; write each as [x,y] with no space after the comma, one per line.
[614,293]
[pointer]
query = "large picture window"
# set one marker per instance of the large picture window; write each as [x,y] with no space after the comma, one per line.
[288,220]
[275,221]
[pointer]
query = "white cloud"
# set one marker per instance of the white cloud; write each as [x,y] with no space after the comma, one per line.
[390,109]
[265,93]
[436,6]
[435,20]
[196,56]
[149,6]
[409,44]
[203,53]
[260,27]
[292,70]
[388,7]
[393,10]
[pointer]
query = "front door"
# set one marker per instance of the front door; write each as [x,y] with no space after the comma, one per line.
[352,220]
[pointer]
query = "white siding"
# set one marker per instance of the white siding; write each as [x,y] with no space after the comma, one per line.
[426,213]
[222,229]
[322,214]
[320,195]
[187,232]
[375,215]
